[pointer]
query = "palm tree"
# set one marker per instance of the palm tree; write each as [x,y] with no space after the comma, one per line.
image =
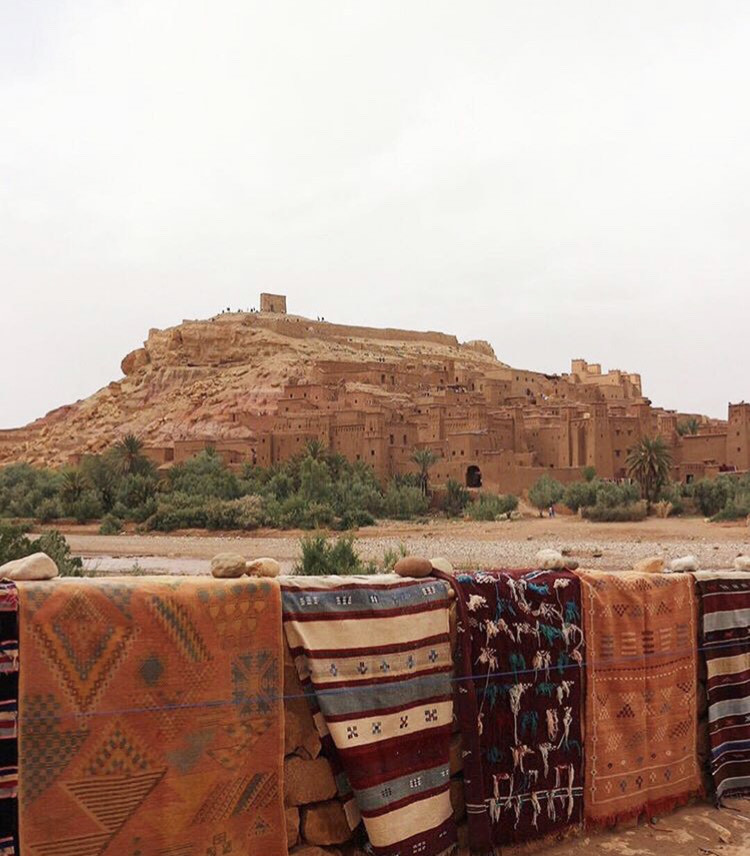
[129,454]
[103,477]
[424,459]
[648,462]
[315,449]
[72,487]
[690,426]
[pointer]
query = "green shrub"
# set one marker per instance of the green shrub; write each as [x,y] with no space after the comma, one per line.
[317,515]
[586,494]
[404,502]
[296,513]
[580,494]
[545,492]
[205,475]
[490,506]
[315,481]
[321,556]
[102,477]
[737,508]
[171,515]
[456,498]
[136,492]
[712,495]
[220,514]
[24,488]
[14,544]
[110,525]
[672,494]
[611,495]
[391,556]
[616,513]
[87,507]
[354,518]
[48,509]
[53,543]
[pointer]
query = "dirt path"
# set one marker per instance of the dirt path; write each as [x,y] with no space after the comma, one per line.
[698,830]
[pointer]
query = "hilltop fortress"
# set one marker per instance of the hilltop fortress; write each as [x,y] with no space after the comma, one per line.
[258,385]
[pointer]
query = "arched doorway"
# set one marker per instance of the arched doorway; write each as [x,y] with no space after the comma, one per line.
[473,476]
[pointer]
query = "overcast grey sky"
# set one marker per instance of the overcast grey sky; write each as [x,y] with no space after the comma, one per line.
[560,178]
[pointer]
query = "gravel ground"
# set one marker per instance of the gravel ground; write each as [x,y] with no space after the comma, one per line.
[467,545]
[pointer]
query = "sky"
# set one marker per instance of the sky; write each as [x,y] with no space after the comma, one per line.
[561,179]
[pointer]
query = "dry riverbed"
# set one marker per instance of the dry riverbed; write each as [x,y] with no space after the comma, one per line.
[609,546]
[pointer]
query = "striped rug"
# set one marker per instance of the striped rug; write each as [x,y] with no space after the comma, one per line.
[725,625]
[374,655]
[8,720]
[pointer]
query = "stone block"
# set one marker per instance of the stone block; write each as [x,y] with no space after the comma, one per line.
[264,567]
[312,850]
[37,566]
[325,823]
[649,565]
[300,733]
[307,781]
[228,565]
[440,563]
[412,566]
[291,815]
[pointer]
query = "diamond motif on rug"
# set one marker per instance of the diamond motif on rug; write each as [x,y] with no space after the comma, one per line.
[84,648]
[46,750]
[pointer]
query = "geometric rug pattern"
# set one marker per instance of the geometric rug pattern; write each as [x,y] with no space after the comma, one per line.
[147,726]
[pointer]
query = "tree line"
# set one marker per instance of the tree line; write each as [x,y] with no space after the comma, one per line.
[320,489]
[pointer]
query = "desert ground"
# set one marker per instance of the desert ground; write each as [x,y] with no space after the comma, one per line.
[609,546]
[696,830]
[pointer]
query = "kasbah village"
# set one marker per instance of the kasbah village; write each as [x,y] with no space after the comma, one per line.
[375,396]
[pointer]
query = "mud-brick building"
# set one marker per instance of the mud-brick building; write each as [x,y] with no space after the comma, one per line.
[492,426]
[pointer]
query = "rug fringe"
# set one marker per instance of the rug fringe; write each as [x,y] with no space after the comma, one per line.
[651,809]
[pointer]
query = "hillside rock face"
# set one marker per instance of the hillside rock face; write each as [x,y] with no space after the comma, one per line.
[191,381]
[481,347]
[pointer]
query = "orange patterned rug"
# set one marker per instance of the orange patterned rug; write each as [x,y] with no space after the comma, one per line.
[641,701]
[151,722]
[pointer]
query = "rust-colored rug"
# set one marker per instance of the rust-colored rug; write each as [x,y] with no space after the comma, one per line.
[641,703]
[151,722]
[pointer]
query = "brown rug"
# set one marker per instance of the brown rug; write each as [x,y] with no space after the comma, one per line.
[640,739]
[151,722]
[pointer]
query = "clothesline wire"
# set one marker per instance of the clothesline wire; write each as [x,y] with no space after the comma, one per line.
[254,699]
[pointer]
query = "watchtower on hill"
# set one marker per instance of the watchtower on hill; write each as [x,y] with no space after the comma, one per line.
[273,303]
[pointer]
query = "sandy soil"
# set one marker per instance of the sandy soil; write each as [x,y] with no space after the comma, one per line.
[697,830]
[465,544]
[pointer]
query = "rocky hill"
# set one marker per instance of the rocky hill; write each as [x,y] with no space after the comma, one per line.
[187,381]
